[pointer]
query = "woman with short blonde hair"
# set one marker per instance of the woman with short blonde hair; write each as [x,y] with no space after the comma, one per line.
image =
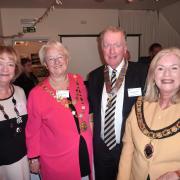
[13,117]
[58,133]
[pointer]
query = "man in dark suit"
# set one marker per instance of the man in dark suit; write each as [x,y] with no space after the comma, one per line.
[119,98]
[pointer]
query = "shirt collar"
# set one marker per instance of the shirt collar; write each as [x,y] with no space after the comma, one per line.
[118,68]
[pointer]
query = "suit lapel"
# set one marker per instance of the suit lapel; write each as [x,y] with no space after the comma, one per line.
[100,85]
[99,89]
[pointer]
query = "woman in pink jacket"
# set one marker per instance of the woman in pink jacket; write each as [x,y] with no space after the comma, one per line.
[58,133]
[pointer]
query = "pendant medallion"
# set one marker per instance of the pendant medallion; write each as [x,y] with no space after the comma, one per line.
[148,150]
[83,126]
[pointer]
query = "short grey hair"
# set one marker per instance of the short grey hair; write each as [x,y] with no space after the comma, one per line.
[52,44]
[112,29]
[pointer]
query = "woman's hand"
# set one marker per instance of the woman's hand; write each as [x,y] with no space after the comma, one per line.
[170,176]
[34,165]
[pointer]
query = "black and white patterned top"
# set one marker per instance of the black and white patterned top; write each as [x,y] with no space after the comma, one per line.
[12,144]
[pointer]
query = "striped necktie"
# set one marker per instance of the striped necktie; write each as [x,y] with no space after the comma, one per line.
[109,121]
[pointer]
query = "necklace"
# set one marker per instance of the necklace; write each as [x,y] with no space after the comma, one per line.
[111,91]
[18,118]
[56,83]
[61,88]
[165,132]
[67,102]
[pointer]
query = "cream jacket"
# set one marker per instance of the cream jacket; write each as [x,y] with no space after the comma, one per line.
[166,157]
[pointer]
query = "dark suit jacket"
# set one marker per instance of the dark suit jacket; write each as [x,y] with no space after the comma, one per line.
[135,77]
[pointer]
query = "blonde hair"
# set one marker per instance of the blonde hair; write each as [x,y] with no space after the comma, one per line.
[152,91]
[14,56]
[52,44]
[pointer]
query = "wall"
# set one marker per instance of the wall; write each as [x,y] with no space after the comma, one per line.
[167,34]
[152,25]
[171,13]
[60,21]
[27,48]
[1,41]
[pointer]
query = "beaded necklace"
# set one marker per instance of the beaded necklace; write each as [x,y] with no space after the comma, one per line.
[68,103]
[18,118]
[165,132]
[111,91]
[114,89]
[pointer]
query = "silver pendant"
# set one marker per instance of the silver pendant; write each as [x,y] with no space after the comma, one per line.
[19,120]
[109,100]
[18,130]
[110,97]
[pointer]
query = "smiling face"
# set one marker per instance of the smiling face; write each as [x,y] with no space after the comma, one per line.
[113,48]
[167,74]
[7,68]
[56,62]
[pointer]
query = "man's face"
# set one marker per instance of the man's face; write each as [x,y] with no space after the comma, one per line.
[113,48]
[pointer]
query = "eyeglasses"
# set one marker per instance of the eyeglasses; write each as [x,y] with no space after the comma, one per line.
[58,58]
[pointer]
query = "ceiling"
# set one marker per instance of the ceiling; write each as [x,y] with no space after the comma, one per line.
[169,8]
[90,4]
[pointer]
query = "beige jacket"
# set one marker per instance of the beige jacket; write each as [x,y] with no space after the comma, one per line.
[166,157]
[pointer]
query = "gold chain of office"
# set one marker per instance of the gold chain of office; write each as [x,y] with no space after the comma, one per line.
[165,132]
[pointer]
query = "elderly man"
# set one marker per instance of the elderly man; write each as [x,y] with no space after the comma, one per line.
[113,89]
